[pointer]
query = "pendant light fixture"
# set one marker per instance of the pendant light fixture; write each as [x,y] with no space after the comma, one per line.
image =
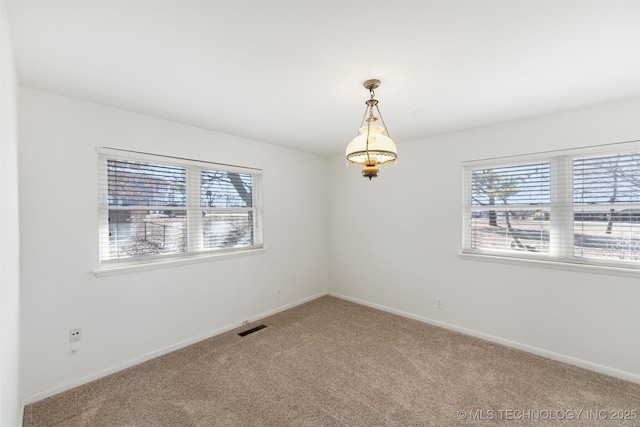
[371,147]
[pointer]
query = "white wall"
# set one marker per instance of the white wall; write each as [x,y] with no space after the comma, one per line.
[10,395]
[395,243]
[585,318]
[130,317]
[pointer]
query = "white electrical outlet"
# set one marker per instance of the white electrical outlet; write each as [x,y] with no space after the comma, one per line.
[75,334]
[279,292]
[439,303]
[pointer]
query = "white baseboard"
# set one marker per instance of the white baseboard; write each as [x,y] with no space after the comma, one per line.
[146,357]
[287,307]
[628,376]
[520,346]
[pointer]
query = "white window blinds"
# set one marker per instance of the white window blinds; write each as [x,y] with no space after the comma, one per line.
[226,199]
[606,206]
[568,206]
[508,204]
[152,208]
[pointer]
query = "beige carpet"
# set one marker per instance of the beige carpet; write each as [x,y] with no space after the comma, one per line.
[334,363]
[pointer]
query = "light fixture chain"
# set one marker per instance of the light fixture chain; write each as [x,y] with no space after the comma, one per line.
[371,148]
[382,120]
[366,110]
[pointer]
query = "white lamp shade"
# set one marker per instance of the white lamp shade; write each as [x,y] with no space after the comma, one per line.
[381,149]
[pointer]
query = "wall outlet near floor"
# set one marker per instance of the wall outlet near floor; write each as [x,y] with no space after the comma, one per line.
[279,292]
[75,334]
[439,303]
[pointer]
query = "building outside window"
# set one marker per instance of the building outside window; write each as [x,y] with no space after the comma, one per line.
[576,206]
[154,208]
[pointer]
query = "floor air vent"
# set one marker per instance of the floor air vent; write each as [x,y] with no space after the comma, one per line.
[252,330]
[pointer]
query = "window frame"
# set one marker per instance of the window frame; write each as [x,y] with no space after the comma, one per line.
[194,247]
[561,209]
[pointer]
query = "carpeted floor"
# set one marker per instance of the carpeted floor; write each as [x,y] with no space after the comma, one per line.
[335,363]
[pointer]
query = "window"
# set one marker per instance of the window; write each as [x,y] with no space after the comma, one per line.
[155,208]
[580,206]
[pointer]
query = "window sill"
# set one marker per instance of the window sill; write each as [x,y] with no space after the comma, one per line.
[175,262]
[583,268]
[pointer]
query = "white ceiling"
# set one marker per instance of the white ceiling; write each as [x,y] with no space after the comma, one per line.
[291,72]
